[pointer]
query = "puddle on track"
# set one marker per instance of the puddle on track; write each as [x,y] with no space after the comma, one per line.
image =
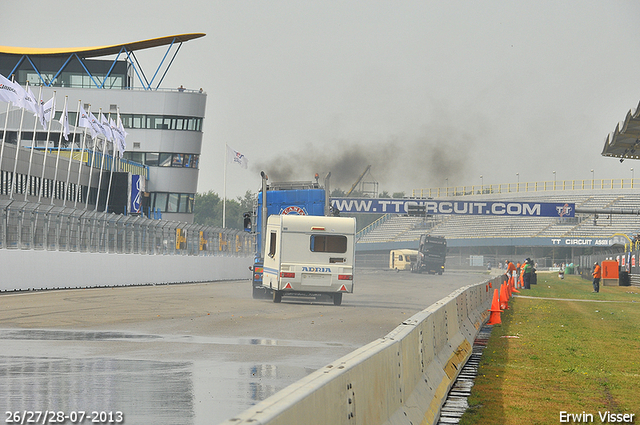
[58,370]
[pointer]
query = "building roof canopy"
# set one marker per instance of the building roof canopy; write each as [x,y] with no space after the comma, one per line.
[624,142]
[92,52]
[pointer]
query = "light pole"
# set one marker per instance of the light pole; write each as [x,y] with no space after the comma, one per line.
[518,185]
[592,178]
[447,185]
[554,180]
[631,177]
[481,184]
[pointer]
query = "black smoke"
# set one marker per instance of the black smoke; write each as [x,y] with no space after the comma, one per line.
[398,165]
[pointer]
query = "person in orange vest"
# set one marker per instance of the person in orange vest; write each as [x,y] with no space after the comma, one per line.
[597,274]
[510,268]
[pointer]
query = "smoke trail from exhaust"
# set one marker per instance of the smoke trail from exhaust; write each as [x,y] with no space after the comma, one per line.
[398,165]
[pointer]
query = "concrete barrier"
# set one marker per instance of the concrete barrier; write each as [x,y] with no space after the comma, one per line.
[402,378]
[31,269]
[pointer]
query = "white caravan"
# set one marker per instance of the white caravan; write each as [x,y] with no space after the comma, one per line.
[309,255]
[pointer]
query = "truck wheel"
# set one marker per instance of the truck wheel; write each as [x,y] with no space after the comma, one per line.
[337,299]
[277,296]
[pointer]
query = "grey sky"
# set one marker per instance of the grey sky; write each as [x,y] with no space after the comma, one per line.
[422,90]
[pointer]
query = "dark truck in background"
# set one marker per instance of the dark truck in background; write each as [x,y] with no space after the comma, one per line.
[432,252]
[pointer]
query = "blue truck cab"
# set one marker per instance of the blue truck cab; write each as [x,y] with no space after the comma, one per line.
[296,198]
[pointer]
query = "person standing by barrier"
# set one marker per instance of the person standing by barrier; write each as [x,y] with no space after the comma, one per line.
[527,272]
[597,274]
[510,269]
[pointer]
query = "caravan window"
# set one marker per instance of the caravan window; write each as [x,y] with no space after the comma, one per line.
[328,243]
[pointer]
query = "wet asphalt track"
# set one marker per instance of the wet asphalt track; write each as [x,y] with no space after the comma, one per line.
[189,354]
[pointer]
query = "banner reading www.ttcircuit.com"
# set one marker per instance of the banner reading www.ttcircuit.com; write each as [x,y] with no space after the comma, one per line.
[401,206]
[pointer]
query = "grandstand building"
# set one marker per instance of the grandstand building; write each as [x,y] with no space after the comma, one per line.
[164,129]
[493,239]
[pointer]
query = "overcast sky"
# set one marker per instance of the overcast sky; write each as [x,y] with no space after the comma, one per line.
[423,91]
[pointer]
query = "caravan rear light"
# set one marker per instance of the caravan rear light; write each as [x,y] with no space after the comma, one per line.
[287,274]
[345,277]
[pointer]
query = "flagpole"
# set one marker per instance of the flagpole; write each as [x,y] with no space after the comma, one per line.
[44,159]
[55,175]
[4,132]
[113,164]
[104,149]
[73,141]
[224,188]
[78,187]
[15,160]
[33,142]
[93,157]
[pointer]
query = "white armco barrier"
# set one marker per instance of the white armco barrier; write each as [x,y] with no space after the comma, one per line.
[403,378]
[30,269]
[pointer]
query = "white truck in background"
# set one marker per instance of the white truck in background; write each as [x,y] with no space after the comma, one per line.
[309,255]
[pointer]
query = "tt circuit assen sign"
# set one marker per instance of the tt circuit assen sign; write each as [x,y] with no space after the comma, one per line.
[401,206]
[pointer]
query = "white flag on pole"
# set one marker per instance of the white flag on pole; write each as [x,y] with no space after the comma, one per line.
[235,157]
[29,102]
[122,136]
[47,112]
[119,136]
[10,91]
[106,127]
[96,127]
[95,124]
[85,122]
[64,122]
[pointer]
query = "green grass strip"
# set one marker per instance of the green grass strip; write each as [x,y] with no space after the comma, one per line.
[561,348]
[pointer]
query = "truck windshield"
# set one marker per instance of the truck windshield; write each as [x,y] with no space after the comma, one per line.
[328,243]
[432,249]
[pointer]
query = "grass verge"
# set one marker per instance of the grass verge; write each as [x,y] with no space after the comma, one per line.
[562,350]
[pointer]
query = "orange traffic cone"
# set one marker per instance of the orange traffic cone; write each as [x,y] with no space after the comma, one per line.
[504,297]
[494,318]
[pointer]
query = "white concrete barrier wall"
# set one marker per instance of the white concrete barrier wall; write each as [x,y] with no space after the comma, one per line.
[402,378]
[30,269]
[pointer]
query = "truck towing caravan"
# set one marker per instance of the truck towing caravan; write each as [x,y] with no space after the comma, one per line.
[294,199]
[309,255]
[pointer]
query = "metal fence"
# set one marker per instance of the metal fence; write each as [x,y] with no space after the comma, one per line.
[542,186]
[31,226]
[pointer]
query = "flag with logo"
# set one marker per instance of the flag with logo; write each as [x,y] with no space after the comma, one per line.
[104,122]
[235,157]
[46,112]
[121,135]
[29,102]
[10,91]
[85,122]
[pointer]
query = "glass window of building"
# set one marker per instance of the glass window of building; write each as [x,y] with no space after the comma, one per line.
[160,201]
[173,200]
[165,160]
[178,160]
[138,121]
[135,157]
[152,159]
